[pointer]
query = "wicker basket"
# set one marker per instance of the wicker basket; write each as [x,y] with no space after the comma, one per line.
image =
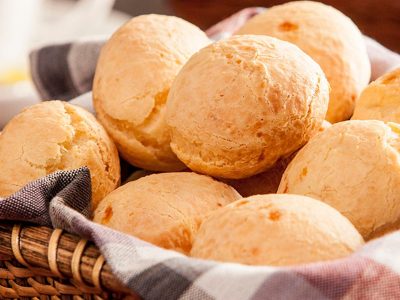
[37,262]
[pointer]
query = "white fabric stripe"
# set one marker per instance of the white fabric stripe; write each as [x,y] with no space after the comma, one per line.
[131,260]
[85,101]
[382,59]
[234,281]
[231,281]
[384,250]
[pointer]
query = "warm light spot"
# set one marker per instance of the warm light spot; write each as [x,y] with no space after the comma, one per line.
[13,76]
[287,26]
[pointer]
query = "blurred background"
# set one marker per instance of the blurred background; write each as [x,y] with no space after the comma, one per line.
[26,24]
[379,19]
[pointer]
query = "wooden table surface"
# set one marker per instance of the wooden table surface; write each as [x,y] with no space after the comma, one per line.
[379,19]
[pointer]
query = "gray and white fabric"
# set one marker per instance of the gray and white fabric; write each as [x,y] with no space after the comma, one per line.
[62,200]
[65,71]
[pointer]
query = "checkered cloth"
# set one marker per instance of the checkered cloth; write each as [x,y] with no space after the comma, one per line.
[62,200]
[65,71]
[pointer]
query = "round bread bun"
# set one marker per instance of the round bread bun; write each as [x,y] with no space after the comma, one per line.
[266,182]
[133,77]
[330,38]
[381,99]
[277,230]
[165,209]
[353,166]
[242,103]
[52,136]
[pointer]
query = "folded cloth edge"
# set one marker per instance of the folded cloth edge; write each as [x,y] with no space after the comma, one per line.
[64,71]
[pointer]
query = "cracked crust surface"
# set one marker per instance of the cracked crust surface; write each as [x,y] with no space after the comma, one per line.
[240,104]
[330,38]
[133,77]
[165,209]
[53,136]
[353,166]
[268,181]
[380,100]
[277,230]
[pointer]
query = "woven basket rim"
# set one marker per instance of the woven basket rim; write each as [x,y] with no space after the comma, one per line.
[33,251]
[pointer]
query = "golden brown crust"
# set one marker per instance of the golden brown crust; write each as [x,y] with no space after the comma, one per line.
[353,166]
[240,104]
[53,136]
[330,38]
[165,209]
[276,230]
[268,181]
[133,77]
[380,100]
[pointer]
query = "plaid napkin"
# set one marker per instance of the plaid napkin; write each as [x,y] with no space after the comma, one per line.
[65,71]
[62,200]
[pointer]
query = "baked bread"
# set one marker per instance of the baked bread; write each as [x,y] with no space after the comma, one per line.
[353,166]
[134,73]
[277,230]
[325,125]
[52,136]
[380,100]
[165,209]
[330,38]
[242,103]
[266,182]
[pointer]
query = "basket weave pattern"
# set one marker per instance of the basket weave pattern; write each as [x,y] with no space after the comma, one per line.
[37,262]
